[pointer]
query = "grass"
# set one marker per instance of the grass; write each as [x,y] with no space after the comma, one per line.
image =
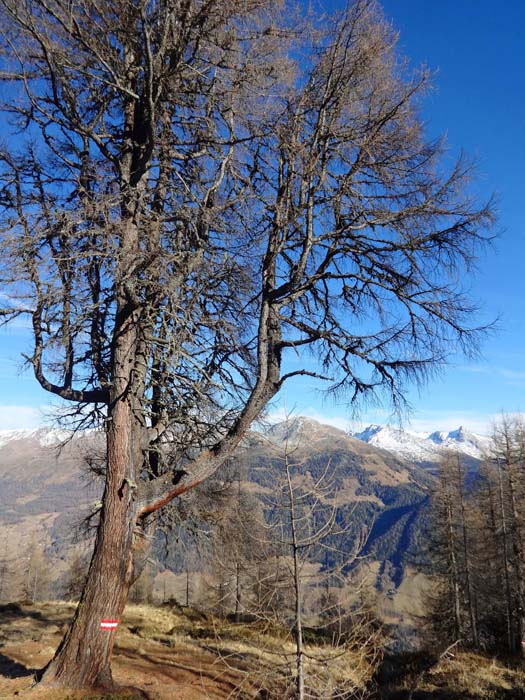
[466,676]
[98,696]
[483,677]
[173,646]
[261,653]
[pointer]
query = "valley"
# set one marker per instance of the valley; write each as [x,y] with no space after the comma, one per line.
[46,493]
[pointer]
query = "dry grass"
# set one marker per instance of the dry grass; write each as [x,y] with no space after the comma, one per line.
[169,654]
[260,654]
[477,676]
[174,654]
[465,676]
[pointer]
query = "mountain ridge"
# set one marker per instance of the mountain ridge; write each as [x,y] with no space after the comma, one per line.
[294,423]
[406,444]
[425,447]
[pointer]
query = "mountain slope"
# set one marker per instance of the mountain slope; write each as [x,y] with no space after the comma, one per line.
[44,492]
[44,496]
[380,494]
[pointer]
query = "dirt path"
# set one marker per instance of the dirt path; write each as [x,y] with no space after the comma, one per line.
[162,670]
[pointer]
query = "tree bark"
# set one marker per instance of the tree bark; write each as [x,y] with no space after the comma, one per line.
[508,592]
[83,658]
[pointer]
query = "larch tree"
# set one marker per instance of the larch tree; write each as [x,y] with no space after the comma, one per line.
[489,535]
[6,562]
[455,611]
[446,600]
[35,582]
[478,553]
[508,457]
[190,191]
[304,516]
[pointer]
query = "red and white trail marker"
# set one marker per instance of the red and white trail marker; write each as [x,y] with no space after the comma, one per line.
[108,624]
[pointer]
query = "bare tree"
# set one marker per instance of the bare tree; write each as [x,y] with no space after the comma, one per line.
[235,549]
[35,572]
[6,562]
[142,589]
[287,566]
[309,529]
[192,191]
[457,468]
[509,457]
[75,576]
[478,547]
[454,608]
[505,551]
[491,571]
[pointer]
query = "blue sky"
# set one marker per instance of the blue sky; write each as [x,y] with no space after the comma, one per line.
[477,52]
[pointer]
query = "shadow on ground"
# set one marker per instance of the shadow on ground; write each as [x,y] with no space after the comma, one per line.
[13,611]
[13,669]
[444,694]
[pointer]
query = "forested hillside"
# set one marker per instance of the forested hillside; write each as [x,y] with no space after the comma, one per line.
[47,490]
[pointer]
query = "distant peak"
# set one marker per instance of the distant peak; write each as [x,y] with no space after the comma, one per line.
[438,436]
[459,434]
[370,431]
[302,428]
[288,428]
[429,447]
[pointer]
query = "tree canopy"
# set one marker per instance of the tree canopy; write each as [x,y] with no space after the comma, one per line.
[194,190]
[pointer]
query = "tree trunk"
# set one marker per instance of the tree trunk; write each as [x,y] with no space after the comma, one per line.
[453,575]
[237,614]
[506,567]
[83,658]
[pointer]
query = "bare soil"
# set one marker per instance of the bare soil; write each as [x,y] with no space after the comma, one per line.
[154,658]
[171,654]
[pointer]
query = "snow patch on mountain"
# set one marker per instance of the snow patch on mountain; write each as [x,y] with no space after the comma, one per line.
[45,437]
[422,447]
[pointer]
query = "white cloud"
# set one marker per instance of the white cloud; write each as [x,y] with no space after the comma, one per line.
[13,417]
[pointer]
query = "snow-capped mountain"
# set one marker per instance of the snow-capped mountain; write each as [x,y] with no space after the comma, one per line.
[45,437]
[424,447]
[406,444]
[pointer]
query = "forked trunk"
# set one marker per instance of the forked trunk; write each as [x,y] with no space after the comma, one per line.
[83,658]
